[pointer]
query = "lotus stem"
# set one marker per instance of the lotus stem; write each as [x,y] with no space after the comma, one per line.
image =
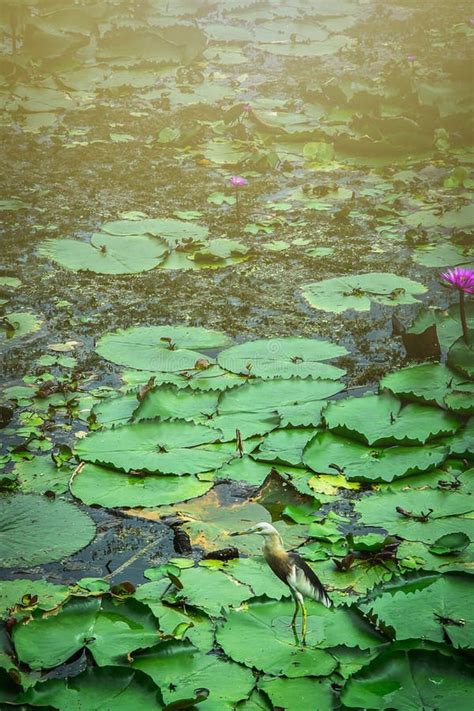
[462,311]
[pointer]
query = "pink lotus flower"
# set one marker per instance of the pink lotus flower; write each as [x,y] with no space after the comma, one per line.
[460,278]
[237,181]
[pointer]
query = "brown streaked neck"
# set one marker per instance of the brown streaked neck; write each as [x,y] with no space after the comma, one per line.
[273,544]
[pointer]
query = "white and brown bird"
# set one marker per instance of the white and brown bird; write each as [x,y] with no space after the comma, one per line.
[292,570]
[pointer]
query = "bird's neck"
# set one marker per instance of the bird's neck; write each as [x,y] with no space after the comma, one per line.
[273,544]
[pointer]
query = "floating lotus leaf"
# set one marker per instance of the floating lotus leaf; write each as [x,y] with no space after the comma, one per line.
[327,452]
[358,291]
[283,358]
[176,447]
[461,356]
[296,694]
[255,573]
[434,611]
[410,680]
[443,255]
[16,325]
[447,515]
[348,585]
[106,254]
[96,485]
[35,530]
[418,556]
[248,470]
[168,402]
[248,424]
[447,322]
[41,474]
[284,446]
[297,401]
[21,593]
[382,420]
[113,411]
[98,689]
[463,441]
[160,348]
[274,649]
[211,590]
[109,631]
[179,669]
[428,382]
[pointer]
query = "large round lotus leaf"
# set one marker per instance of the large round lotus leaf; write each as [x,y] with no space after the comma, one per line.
[357,291]
[273,648]
[431,513]
[356,461]
[208,522]
[21,592]
[160,348]
[249,424]
[410,680]
[113,411]
[211,378]
[428,382]
[298,694]
[435,611]
[461,355]
[169,402]
[109,631]
[283,358]
[106,254]
[345,586]
[179,669]
[211,590]
[97,689]
[17,325]
[443,255]
[381,420]
[255,573]
[463,441]
[170,230]
[110,488]
[418,556]
[36,530]
[284,446]
[296,400]
[41,474]
[157,447]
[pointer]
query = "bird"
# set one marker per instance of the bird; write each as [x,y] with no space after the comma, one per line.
[292,570]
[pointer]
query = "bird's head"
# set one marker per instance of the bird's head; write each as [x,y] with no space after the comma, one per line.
[263,529]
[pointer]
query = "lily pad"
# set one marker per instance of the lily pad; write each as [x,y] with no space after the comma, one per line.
[461,355]
[428,382]
[381,420]
[176,447]
[327,453]
[26,594]
[358,291]
[33,530]
[96,485]
[160,348]
[283,358]
[17,325]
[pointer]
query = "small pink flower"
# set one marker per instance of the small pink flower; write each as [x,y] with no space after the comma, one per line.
[411,57]
[460,278]
[247,108]
[237,181]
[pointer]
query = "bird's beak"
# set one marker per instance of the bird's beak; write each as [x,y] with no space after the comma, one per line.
[242,533]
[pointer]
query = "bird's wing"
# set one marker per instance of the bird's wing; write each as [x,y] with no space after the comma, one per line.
[305,580]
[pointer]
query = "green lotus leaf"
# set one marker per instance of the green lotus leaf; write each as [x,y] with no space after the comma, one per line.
[461,356]
[96,485]
[168,402]
[159,348]
[447,322]
[22,593]
[35,529]
[451,543]
[106,254]
[179,669]
[434,611]
[443,255]
[108,630]
[211,590]
[211,378]
[326,452]
[463,442]
[296,694]
[432,513]
[255,573]
[428,382]
[296,400]
[113,411]
[358,291]
[18,324]
[40,474]
[97,689]
[176,447]
[381,420]
[284,446]
[274,649]
[407,680]
[283,358]
[418,556]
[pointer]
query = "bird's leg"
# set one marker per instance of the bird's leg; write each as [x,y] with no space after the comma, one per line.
[303,623]
[293,621]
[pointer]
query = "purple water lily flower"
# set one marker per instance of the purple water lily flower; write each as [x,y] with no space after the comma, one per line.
[237,181]
[461,279]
